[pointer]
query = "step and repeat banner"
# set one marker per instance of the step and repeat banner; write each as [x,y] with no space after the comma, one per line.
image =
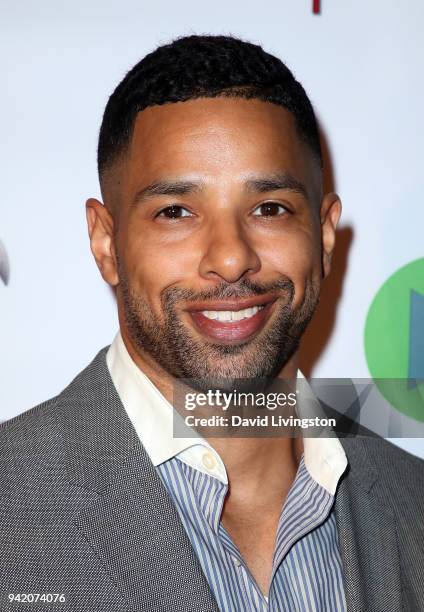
[361,63]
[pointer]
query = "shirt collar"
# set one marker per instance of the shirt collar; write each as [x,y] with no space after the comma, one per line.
[152,417]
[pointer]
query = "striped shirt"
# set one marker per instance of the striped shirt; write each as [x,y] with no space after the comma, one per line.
[307,569]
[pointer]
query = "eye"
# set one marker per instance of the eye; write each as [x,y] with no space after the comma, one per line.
[174,212]
[270,209]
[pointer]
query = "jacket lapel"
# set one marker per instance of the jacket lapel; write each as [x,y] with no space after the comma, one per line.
[132,524]
[367,535]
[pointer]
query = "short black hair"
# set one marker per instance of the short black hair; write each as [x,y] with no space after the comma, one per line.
[202,66]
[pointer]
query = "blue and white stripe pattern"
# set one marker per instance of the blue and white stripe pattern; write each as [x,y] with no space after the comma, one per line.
[307,568]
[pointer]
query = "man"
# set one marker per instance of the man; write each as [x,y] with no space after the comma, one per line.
[216,235]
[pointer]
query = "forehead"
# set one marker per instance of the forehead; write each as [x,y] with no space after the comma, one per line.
[219,141]
[218,138]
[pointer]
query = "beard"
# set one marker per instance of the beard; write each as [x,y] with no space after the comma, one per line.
[171,343]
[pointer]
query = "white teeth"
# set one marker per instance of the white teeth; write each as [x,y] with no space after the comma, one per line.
[231,315]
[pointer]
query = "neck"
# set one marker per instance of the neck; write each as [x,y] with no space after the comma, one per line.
[259,468]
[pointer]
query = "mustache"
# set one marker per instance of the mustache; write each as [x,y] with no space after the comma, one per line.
[242,289]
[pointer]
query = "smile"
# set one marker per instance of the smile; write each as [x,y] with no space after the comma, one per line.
[227,316]
[232,322]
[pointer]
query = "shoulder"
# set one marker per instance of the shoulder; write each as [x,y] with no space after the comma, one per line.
[393,462]
[30,450]
[26,429]
[30,440]
[399,475]
[39,417]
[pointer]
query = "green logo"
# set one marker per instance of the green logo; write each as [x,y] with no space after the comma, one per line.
[394,339]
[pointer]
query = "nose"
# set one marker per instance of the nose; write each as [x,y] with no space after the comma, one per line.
[228,254]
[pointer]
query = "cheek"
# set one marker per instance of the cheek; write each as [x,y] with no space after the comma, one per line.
[153,264]
[296,255]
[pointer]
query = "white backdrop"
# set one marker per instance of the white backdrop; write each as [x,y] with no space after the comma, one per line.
[361,63]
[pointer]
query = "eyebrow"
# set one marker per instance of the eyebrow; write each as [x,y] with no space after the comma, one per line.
[255,184]
[264,184]
[167,188]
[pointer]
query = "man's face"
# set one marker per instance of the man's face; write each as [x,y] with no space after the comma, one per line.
[218,244]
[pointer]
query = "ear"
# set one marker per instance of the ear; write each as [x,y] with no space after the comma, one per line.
[331,210]
[100,230]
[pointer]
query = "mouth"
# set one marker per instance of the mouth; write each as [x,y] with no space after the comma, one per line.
[232,321]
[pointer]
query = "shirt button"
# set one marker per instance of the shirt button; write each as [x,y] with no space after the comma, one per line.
[209,461]
[236,561]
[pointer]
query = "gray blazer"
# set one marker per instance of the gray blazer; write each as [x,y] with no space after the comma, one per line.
[83,513]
